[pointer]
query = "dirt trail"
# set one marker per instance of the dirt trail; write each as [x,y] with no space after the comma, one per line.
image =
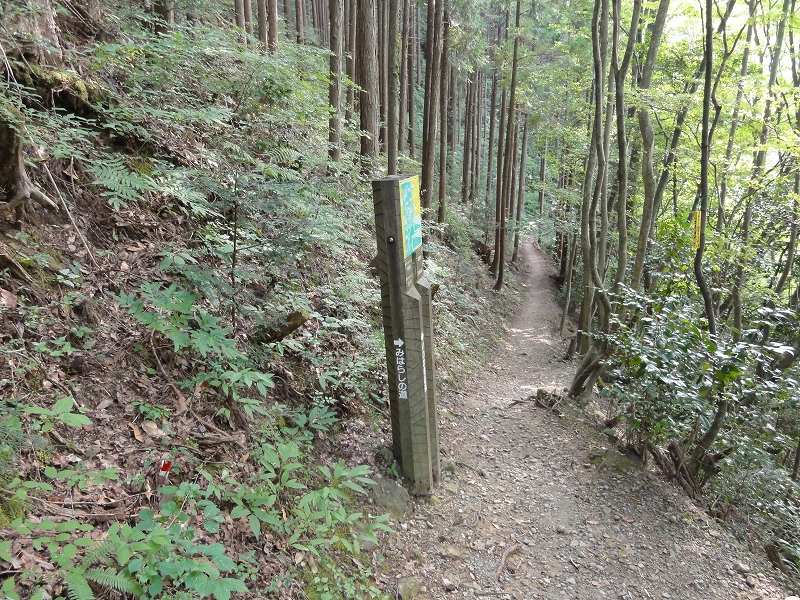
[572,516]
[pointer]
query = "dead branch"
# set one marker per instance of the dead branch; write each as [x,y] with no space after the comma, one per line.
[509,551]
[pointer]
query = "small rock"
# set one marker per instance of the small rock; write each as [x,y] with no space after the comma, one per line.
[390,496]
[571,581]
[408,587]
[561,529]
[742,568]
[451,486]
[752,581]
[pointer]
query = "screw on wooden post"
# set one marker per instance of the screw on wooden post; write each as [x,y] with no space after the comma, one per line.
[407,327]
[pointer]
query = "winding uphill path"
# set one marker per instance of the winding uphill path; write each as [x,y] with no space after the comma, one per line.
[549,499]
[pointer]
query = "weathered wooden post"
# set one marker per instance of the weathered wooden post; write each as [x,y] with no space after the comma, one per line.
[407,329]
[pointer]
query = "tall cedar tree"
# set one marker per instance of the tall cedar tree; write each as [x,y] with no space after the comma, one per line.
[367,70]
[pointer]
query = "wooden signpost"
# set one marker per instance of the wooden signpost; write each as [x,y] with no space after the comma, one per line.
[407,329]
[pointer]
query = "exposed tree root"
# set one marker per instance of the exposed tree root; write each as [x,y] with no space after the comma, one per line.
[15,185]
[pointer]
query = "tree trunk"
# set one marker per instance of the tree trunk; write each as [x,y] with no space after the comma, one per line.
[542,179]
[404,76]
[165,9]
[444,92]
[599,24]
[263,27]
[238,7]
[476,145]
[393,90]
[248,16]
[287,17]
[413,59]
[431,106]
[367,68]
[499,183]
[521,191]
[466,155]
[350,61]
[383,68]
[509,153]
[620,73]
[300,20]
[272,32]
[705,152]
[335,84]
[646,129]
[492,113]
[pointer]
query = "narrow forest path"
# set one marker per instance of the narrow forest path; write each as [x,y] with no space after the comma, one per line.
[547,495]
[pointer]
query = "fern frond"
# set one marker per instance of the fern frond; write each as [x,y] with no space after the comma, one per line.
[120,581]
[122,184]
[100,553]
[78,587]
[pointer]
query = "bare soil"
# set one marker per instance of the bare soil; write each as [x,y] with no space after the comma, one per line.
[537,503]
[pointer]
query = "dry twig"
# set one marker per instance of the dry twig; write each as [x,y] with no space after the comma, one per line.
[508,552]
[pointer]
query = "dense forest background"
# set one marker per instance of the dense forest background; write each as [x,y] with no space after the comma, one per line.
[190,332]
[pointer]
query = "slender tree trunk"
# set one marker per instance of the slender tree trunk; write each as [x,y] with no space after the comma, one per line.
[418,48]
[413,60]
[393,90]
[335,85]
[287,17]
[300,20]
[404,78]
[451,122]
[263,33]
[272,33]
[509,151]
[589,199]
[165,9]
[492,113]
[350,62]
[521,191]
[705,155]
[476,145]
[494,269]
[238,7]
[367,65]
[383,68]
[620,73]
[647,134]
[444,92]
[466,157]
[431,105]
[248,17]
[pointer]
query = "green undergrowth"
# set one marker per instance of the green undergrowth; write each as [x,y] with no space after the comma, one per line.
[198,455]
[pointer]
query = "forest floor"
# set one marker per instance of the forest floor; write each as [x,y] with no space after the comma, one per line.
[537,503]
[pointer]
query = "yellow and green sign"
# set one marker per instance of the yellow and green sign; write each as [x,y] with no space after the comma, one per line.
[411,215]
